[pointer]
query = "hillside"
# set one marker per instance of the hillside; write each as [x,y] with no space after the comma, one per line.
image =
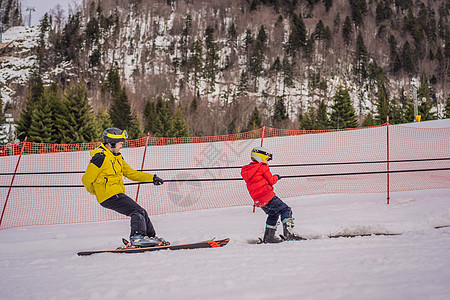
[221,59]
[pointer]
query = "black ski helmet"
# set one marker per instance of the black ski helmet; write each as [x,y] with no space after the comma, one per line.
[112,136]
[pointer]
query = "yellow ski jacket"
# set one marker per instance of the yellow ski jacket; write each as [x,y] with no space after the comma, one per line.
[104,174]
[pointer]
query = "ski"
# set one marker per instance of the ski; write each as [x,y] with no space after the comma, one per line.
[130,249]
[259,240]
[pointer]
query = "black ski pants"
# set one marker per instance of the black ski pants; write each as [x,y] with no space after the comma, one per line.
[140,222]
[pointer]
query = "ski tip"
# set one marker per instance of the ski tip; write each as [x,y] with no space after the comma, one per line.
[218,243]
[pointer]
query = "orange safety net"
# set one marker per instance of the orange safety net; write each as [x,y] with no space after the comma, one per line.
[204,172]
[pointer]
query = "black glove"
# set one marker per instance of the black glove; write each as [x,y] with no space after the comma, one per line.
[279,177]
[157,180]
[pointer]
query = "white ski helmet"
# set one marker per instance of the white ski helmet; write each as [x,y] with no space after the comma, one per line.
[260,154]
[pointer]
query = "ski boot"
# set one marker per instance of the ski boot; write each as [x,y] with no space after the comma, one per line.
[289,233]
[139,241]
[269,235]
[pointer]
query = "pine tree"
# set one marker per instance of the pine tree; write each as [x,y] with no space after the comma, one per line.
[308,120]
[255,121]
[194,104]
[112,82]
[426,103]
[280,112]
[379,12]
[81,119]
[232,34]
[134,129]
[328,4]
[397,115]
[383,11]
[396,63]
[211,67]
[41,126]
[319,32]
[382,105]
[42,59]
[92,31]
[196,62]
[242,89]
[256,60]
[36,92]
[95,58]
[408,59]
[179,123]
[255,64]
[248,41]
[184,41]
[102,122]
[72,39]
[61,130]
[362,58]
[3,135]
[2,116]
[359,9]
[369,120]
[276,66]
[120,110]
[323,121]
[262,36]
[163,125]
[343,113]
[149,115]
[308,50]
[408,109]
[347,30]
[298,36]
[447,108]
[288,73]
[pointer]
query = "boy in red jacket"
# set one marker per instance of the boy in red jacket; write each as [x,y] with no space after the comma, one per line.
[260,183]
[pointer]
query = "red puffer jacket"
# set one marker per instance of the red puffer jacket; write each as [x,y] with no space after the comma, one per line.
[259,182]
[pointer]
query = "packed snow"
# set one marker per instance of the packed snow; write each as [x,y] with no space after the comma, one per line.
[405,256]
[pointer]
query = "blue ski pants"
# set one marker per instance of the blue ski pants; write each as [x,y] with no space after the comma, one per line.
[276,208]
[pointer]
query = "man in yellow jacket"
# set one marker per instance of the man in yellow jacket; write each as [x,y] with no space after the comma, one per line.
[104,179]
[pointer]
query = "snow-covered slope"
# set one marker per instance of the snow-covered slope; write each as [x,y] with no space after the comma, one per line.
[16,59]
[444,123]
[41,262]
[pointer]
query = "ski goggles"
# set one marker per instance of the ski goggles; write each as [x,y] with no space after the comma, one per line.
[264,155]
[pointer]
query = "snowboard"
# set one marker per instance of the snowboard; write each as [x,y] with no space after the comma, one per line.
[130,249]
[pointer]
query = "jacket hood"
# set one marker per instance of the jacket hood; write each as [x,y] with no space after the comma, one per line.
[248,171]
